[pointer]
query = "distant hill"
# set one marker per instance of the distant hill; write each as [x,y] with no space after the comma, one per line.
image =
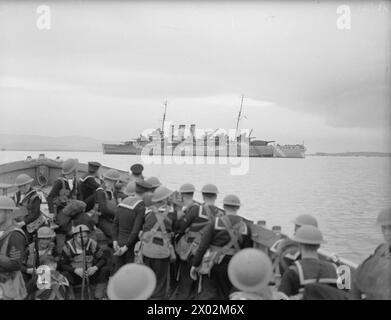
[354,154]
[42,143]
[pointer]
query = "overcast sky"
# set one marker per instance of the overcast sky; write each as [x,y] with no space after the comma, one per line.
[104,69]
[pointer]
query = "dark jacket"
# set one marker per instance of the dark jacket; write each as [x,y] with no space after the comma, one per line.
[151,220]
[32,203]
[14,250]
[103,198]
[195,218]
[216,234]
[87,187]
[128,221]
[54,198]
[307,271]
[83,218]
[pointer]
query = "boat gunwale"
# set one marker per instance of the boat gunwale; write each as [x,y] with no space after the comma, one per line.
[256,229]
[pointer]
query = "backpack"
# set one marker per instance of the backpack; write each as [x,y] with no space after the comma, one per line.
[214,255]
[156,243]
[190,241]
[64,194]
[64,216]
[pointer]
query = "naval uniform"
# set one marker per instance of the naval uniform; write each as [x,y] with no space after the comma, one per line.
[161,266]
[128,223]
[87,187]
[307,271]
[119,195]
[107,206]
[216,235]
[288,252]
[195,219]
[372,279]
[62,191]
[31,202]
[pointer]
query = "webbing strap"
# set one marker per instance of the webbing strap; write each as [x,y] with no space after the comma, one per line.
[63,183]
[232,235]
[208,212]
[160,217]
[6,236]
[29,197]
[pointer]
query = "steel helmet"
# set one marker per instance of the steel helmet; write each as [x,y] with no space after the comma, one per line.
[80,227]
[232,200]
[209,188]
[154,182]
[45,232]
[112,175]
[384,217]
[161,193]
[7,204]
[132,282]
[93,166]
[187,188]
[305,220]
[250,270]
[130,188]
[23,179]
[142,186]
[308,235]
[68,166]
[137,168]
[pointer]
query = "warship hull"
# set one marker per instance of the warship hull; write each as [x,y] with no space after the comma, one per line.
[190,150]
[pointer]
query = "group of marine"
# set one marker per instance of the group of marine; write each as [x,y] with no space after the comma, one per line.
[161,244]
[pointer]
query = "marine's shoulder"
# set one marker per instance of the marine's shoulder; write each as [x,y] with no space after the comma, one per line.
[132,203]
[382,249]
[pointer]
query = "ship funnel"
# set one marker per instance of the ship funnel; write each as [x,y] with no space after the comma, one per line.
[192,130]
[181,132]
[172,132]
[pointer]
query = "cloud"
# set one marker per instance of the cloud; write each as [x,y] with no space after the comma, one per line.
[301,76]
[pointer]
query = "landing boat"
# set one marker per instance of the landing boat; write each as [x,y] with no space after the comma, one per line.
[45,171]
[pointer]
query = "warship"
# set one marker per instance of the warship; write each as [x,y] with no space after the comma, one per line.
[218,143]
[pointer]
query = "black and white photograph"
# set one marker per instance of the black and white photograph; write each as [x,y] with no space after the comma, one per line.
[195,151]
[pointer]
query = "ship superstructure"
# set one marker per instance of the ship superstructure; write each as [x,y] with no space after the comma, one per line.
[218,143]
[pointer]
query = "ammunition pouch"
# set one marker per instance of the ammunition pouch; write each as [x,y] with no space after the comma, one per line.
[214,255]
[77,261]
[188,244]
[36,224]
[156,244]
[138,254]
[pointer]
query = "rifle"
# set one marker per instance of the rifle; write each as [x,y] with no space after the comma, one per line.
[85,278]
[36,247]
[32,283]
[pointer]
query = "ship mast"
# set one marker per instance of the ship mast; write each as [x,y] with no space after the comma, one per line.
[239,115]
[164,116]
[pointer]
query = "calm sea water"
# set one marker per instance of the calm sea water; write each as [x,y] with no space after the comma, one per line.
[343,193]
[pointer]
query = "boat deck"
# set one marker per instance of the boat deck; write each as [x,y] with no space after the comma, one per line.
[45,171]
